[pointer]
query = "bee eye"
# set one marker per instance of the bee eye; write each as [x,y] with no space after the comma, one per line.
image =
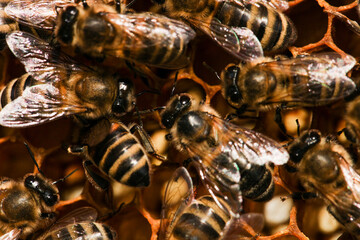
[70,15]
[234,94]
[232,72]
[31,182]
[50,198]
[167,120]
[184,100]
[119,106]
[312,138]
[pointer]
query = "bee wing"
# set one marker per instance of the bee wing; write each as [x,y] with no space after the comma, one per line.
[326,70]
[40,59]
[238,41]
[83,214]
[12,235]
[179,193]
[38,104]
[37,13]
[149,32]
[246,226]
[249,145]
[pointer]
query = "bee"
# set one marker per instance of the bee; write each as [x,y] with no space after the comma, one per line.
[184,217]
[98,31]
[27,205]
[79,224]
[56,86]
[307,81]
[231,159]
[254,24]
[324,167]
[352,130]
[119,156]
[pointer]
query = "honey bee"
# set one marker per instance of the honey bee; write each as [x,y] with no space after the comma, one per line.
[306,81]
[27,205]
[324,167]
[99,31]
[230,159]
[56,86]
[255,24]
[119,156]
[184,217]
[79,224]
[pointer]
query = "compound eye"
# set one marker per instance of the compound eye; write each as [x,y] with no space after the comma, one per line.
[50,198]
[231,72]
[184,100]
[70,15]
[118,106]
[168,120]
[234,94]
[312,138]
[31,182]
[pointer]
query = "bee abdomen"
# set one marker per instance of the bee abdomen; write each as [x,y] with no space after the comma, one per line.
[199,220]
[257,183]
[121,157]
[273,29]
[15,89]
[83,230]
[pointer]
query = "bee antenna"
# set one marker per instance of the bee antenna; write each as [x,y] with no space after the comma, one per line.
[33,158]
[130,4]
[63,179]
[298,127]
[151,110]
[174,85]
[138,114]
[154,91]
[212,70]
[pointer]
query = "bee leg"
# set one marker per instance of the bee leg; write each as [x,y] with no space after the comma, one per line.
[96,178]
[303,195]
[146,141]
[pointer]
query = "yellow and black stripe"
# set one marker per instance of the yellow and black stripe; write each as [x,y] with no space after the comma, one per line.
[123,158]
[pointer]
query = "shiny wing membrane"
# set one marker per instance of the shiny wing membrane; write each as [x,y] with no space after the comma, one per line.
[245,226]
[179,193]
[239,41]
[151,31]
[36,13]
[327,70]
[12,235]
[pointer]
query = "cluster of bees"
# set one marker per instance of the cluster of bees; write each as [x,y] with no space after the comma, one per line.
[88,60]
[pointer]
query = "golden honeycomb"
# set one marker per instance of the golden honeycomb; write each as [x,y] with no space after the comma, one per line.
[319,29]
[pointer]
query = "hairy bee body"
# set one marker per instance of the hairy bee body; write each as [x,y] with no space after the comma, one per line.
[145,38]
[56,86]
[82,230]
[324,167]
[225,152]
[27,204]
[121,157]
[272,28]
[303,81]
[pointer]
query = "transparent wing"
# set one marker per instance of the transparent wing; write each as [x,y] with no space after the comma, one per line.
[247,226]
[12,235]
[238,41]
[178,194]
[41,60]
[149,32]
[323,70]
[38,104]
[37,13]
[79,215]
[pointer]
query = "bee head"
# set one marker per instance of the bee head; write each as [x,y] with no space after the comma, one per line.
[125,100]
[68,18]
[177,106]
[230,88]
[306,141]
[43,188]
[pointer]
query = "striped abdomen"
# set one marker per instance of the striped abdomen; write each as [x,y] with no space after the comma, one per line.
[273,29]
[15,89]
[121,157]
[86,230]
[202,219]
[162,45]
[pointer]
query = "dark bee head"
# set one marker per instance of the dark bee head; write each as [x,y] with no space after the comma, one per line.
[125,100]
[68,19]
[96,29]
[176,107]
[230,88]
[307,140]
[44,189]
